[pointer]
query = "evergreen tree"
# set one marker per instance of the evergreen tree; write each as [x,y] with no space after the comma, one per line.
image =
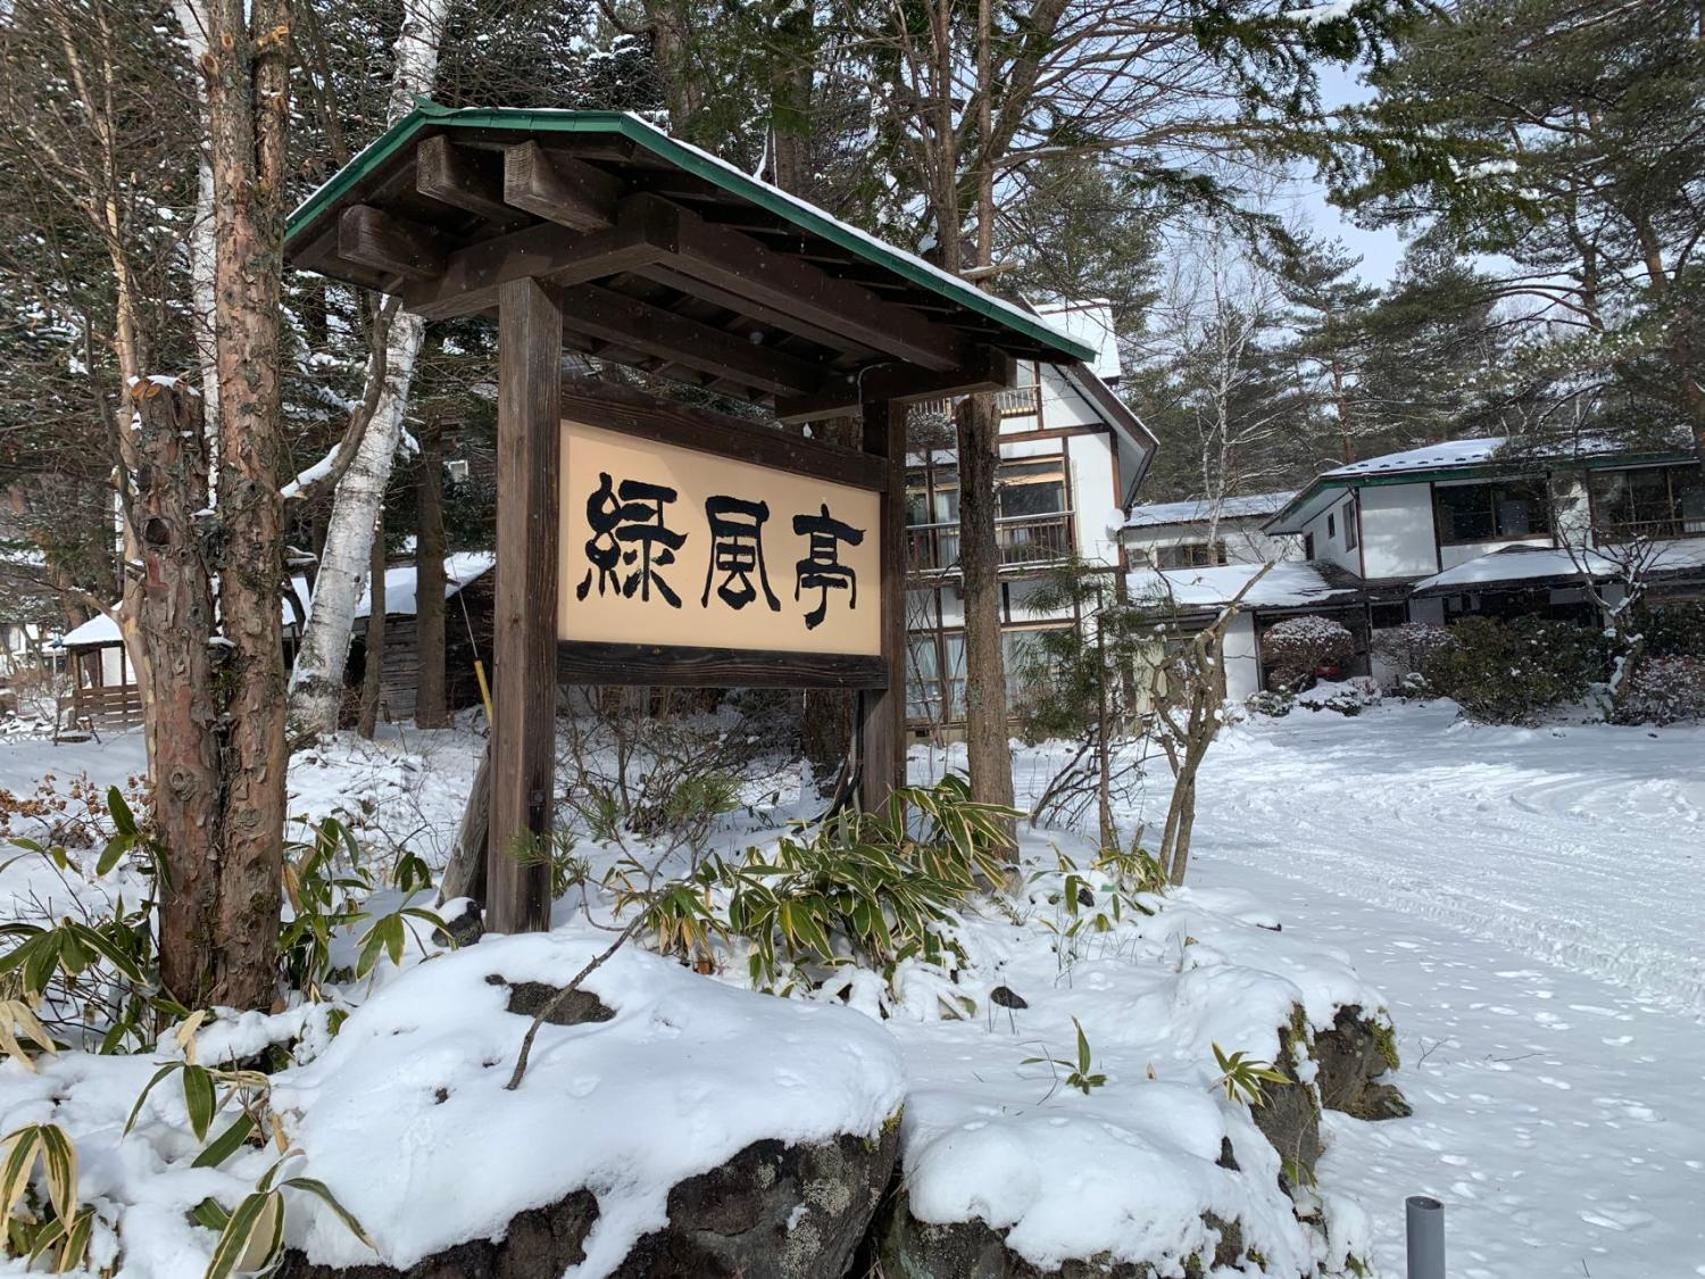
[1580,160]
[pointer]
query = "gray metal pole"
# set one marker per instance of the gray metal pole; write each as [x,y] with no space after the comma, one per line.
[1426,1230]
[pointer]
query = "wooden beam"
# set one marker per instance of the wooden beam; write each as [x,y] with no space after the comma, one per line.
[546,252]
[664,273]
[371,237]
[614,317]
[463,178]
[584,662]
[882,712]
[523,751]
[620,408]
[790,287]
[988,369]
[559,189]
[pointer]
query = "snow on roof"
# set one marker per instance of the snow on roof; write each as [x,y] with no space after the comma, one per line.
[1091,323]
[1430,457]
[459,570]
[1288,584]
[1199,510]
[101,630]
[1539,563]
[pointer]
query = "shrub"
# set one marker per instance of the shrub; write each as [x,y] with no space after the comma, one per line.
[1274,702]
[1404,649]
[1295,648]
[1510,672]
[1665,690]
[1674,629]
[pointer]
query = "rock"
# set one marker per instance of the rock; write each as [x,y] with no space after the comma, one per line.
[1289,1118]
[1007,997]
[576,1009]
[1352,1057]
[540,1244]
[911,1249]
[464,927]
[774,1211]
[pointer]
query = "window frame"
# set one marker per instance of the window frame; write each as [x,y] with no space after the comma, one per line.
[1537,494]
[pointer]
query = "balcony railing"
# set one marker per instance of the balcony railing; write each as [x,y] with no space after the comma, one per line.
[1022,539]
[1663,530]
[1015,401]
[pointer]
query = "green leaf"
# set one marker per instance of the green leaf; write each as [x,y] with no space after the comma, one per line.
[208,1213]
[116,848]
[122,818]
[226,1143]
[200,1099]
[251,1238]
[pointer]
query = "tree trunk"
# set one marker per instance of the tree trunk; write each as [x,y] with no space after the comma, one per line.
[986,728]
[316,684]
[168,621]
[248,97]
[373,678]
[429,605]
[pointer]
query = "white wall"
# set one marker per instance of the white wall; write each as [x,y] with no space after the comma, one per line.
[1094,495]
[1332,547]
[1398,539]
[1242,668]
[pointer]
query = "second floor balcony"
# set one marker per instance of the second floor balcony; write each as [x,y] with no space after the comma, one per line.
[1024,541]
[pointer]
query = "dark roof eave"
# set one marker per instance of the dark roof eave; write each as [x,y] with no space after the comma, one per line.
[914,270]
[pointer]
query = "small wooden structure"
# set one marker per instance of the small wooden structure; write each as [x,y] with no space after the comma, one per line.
[595,231]
[469,592]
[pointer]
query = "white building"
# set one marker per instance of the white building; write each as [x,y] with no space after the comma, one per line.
[1455,529]
[1072,457]
[1201,533]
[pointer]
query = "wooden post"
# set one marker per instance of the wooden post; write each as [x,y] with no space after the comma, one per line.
[883,722]
[523,750]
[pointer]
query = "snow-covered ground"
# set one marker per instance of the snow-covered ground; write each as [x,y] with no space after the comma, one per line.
[1526,900]
[1530,902]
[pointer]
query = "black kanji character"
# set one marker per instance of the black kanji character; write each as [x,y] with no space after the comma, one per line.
[653,542]
[737,551]
[821,569]
[603,513]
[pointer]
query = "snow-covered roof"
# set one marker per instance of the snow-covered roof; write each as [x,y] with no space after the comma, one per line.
[1089,322]
[1288,584]
[101,630]
[1427,458]
[1200,510]
[1541,563]
[459,570]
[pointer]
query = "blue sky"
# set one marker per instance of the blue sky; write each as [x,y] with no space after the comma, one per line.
[1380,250]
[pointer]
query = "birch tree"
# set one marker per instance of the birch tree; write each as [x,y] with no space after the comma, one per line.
[316,683]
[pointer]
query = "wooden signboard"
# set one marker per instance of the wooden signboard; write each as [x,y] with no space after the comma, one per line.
[698,549]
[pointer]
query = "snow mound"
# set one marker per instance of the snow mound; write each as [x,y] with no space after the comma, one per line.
[407,1119]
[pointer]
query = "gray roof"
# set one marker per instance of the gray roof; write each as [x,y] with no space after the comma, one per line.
[1201,510]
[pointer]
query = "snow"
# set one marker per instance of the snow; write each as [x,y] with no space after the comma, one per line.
[1528,900]
[669,1088]
[1089,322]
[1197,511]
[459,570]
[102,629]
[1288,584]
[1525,902]
[1538,563]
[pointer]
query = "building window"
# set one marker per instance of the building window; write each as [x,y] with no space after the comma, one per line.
[1308,546]
[1190,555]
[1331,526]
[1501,512]
[1649,501]
[456,471]
[1349,527]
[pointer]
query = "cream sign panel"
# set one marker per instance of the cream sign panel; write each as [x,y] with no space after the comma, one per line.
[670,546]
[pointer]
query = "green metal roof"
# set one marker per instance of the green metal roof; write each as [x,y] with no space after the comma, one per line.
[430,115]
